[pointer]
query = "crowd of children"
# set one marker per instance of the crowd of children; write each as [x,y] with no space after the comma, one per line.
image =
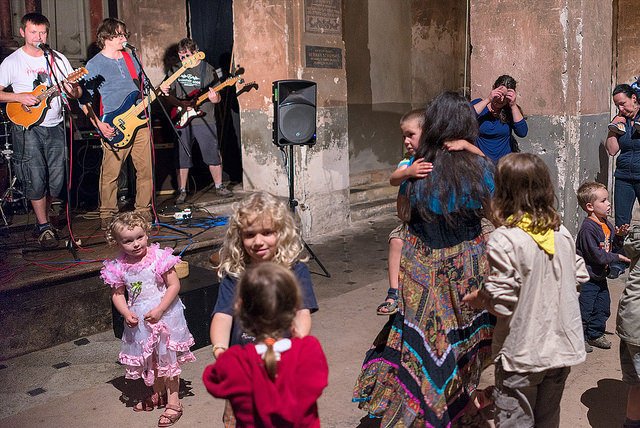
[272,371]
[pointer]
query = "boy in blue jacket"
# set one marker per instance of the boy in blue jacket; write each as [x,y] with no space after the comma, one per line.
[594,243]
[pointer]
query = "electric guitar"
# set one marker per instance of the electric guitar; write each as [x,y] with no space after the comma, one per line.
[30,116]
[183,116]
[129,118]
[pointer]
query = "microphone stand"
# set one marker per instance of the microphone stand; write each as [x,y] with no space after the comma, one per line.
[71,245]
[147,88]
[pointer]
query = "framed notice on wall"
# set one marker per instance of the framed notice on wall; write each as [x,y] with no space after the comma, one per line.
[322,57]
[323,16]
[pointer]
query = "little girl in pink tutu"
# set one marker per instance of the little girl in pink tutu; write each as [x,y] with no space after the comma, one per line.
[156,339]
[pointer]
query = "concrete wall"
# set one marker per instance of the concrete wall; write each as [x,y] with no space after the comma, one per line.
[560,53]
[155,25]
[397,59]
[270,40]
[627,40]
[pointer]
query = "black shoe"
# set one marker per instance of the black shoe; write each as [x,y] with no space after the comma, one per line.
[47,235]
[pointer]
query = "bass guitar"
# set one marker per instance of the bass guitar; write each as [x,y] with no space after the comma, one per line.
[129,118]
[30,116]
[184,116]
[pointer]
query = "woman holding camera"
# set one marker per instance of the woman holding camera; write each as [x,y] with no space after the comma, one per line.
[626,188]
[498,115]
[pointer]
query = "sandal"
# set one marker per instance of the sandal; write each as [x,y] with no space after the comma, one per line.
[151,402]
[171,417]
[390,305]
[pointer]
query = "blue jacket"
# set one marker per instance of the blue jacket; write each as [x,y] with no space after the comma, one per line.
[494,137]
[628,163]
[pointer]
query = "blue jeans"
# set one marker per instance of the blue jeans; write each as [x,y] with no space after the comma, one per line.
[595,308]
[626,193]
[40,160]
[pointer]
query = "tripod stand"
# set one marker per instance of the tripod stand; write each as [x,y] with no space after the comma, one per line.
[11,194]
[293,203]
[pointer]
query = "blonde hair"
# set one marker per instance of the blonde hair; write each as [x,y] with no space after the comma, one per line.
[268,298]
[587,193]
[127,220]
[415,114]
[259,205]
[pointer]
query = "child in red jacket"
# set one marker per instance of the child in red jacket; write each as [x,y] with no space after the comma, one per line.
[275,381]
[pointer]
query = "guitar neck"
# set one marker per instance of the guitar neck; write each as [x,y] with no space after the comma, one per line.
[50,91]
[205,97]
[152,96]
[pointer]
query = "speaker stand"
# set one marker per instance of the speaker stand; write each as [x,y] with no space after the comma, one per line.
[293,203]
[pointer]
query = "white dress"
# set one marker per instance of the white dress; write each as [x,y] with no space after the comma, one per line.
[150,350]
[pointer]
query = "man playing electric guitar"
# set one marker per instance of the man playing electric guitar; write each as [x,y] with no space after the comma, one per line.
[114,75]
[39,153]
[203,129]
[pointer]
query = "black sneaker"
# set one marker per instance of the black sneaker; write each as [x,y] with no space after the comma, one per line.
[47,236]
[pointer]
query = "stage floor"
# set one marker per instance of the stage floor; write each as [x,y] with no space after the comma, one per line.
[24,264]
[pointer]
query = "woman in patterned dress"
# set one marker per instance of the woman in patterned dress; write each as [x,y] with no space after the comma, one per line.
[424,372]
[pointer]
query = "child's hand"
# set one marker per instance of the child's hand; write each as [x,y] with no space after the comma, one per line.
[624,258]
[622,230]
[456,145]
[419,168]
[475,300]
[131,319]
[154,315]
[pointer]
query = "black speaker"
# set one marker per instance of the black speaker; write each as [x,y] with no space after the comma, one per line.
[294,112]
[87,158]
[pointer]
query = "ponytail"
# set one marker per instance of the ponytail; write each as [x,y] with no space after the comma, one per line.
[270,359]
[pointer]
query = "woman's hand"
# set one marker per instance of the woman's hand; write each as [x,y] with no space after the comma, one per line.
[497,95]
[511,97]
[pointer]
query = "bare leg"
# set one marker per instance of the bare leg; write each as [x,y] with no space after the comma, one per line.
[41,209]
[395,253]
[173,400]
[183,176]
[216,174]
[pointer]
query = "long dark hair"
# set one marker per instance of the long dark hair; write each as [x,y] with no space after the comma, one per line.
[457,176]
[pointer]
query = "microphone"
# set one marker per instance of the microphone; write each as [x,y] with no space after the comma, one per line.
[43,46]
[127,45]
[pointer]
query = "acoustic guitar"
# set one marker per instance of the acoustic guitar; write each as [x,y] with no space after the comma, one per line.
[184,116]
[129,117]
[30,116]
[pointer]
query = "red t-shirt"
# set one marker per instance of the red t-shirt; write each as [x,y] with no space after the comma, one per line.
[257,401]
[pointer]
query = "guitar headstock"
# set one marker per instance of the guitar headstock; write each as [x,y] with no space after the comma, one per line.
[193,60]
[238,71]
[77,74]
